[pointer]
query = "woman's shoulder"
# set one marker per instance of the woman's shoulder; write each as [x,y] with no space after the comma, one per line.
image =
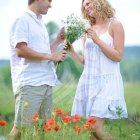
[115,25]
[115,22]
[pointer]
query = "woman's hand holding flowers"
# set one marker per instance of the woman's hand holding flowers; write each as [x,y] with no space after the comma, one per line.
[91,33]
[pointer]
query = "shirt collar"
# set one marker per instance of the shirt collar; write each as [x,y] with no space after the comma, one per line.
[33,14]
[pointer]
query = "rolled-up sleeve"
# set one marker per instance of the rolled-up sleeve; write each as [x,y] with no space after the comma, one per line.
[19,32]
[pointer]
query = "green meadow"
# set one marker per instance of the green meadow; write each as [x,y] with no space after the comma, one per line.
[127,129]
[64,94]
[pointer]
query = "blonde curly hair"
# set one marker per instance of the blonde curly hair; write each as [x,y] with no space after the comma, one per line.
[102,7]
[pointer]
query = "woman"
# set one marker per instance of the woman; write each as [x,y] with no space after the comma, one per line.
[100,90]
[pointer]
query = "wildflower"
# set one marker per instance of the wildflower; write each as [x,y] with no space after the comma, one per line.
[89,123]
[91,120]
[66,119]
[87,126]
[26,104]
[58,111]
[47,127]
[57,128]
[77,129]
[35,117]
[76,118]
[50,121]
[3,123]
[74,29]
[62,123]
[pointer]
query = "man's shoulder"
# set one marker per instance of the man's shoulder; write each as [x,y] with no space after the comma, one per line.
[21,18]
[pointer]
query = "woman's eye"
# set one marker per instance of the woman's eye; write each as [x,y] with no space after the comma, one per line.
[87,4]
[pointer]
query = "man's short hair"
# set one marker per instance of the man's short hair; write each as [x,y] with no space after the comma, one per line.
[30,2]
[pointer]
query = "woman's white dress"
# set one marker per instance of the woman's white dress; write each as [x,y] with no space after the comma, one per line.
[100,89]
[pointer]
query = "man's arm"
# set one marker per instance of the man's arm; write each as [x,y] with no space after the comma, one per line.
[23,51]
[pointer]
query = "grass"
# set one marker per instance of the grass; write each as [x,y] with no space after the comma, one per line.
[123,130]
[64,94]
[63,98]
[132,97]
[6,100]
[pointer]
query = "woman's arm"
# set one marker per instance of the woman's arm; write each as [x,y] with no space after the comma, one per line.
[59,39]
[75,55]
[117,32]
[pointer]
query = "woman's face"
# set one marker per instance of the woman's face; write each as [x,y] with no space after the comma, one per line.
[88,8]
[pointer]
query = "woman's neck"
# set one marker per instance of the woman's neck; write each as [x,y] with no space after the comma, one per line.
[100,21]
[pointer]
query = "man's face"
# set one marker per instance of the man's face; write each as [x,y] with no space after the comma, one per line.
[44,5]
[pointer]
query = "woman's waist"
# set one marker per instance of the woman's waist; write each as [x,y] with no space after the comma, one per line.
[99,70]
[100,73]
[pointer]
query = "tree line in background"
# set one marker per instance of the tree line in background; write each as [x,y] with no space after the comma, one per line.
[130,65]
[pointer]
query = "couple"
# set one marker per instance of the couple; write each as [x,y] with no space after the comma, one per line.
[100,88]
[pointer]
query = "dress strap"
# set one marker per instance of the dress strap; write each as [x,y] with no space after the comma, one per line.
[111,19]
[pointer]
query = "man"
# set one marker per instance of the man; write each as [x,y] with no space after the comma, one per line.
[32,67]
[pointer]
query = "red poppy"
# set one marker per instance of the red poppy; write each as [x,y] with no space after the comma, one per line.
[50,121]
[35,117]
[3,123]
[77,129]
[56,128]
[91,120]
[87,126]
[58,111]
[47,127]
[66,118]
[76,118]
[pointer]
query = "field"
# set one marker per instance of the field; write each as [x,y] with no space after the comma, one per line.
[63,96]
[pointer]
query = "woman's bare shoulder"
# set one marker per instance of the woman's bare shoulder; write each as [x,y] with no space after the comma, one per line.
[116,23]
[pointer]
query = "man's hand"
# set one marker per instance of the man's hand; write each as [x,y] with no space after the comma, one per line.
[61,35]
[58,56]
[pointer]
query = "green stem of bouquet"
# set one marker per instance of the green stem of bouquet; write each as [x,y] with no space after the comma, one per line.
[68,48]
[57,65]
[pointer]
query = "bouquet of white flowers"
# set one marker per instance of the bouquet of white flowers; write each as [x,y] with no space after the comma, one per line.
[75,28]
